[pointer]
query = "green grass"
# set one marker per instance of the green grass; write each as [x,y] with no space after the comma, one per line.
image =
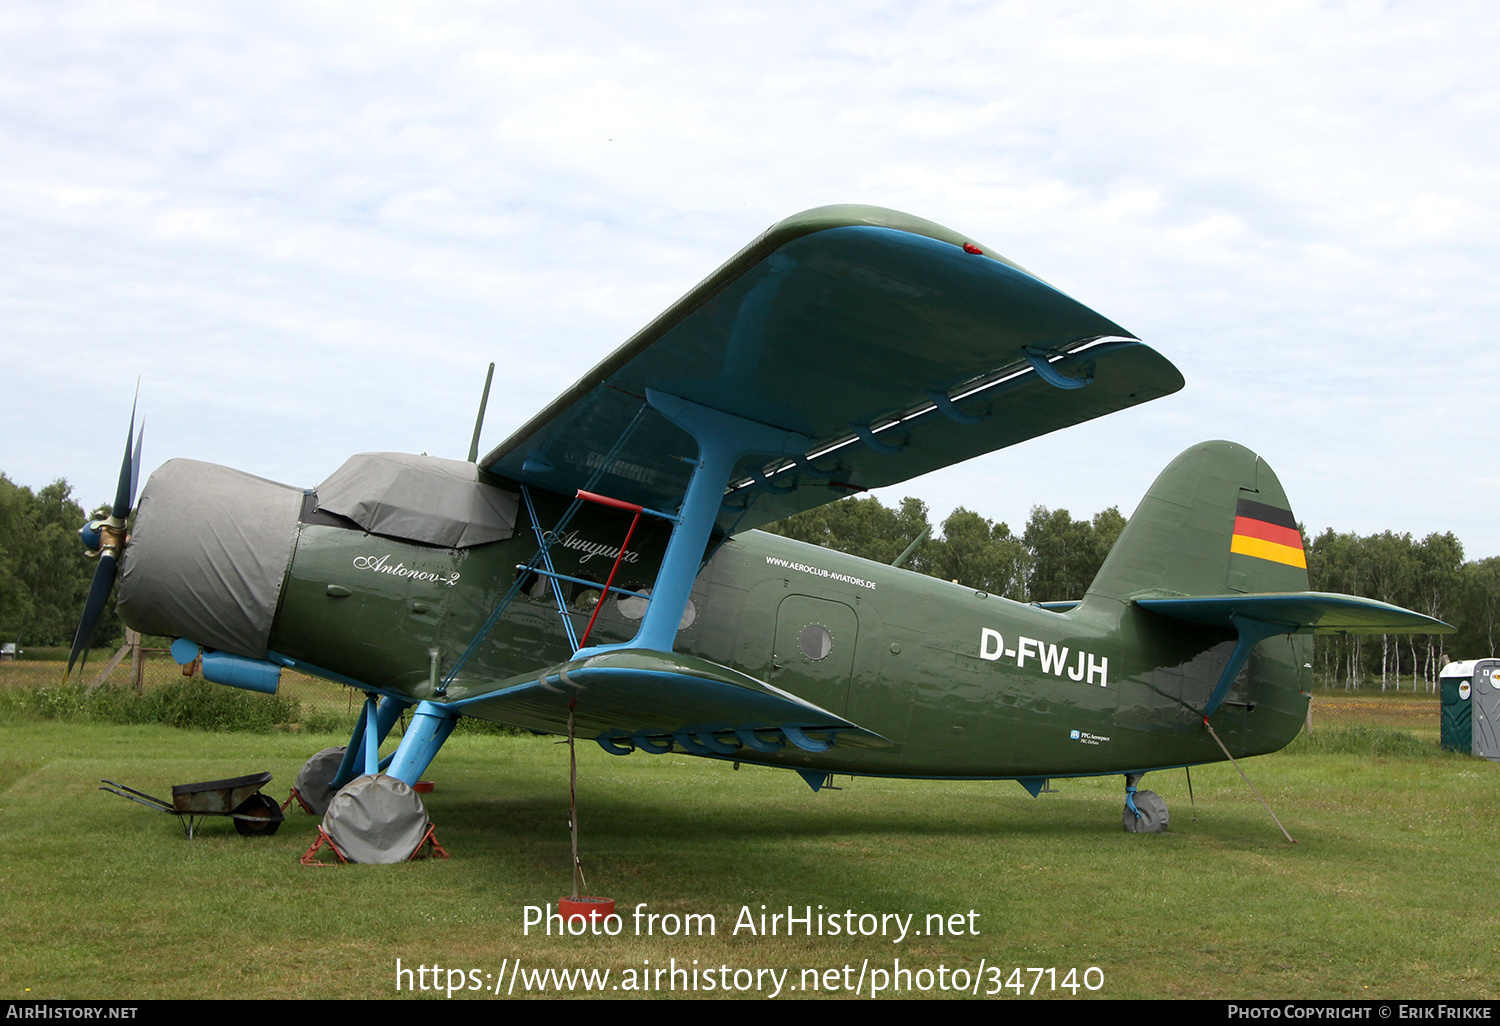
[1360,740]
[1379,897]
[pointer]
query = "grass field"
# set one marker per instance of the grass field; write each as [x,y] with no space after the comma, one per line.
[1419,714]
[1383,896]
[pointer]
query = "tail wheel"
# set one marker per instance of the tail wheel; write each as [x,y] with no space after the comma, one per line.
[1152,818]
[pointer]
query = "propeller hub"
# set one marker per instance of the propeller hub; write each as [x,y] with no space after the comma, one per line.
[103,536]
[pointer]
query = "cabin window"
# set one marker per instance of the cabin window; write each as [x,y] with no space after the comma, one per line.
[815,641]
[632,607]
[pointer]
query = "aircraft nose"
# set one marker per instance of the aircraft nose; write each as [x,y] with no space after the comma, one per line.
[208,555]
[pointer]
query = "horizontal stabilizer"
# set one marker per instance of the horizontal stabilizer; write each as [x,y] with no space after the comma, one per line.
[1301,612]
[636,698]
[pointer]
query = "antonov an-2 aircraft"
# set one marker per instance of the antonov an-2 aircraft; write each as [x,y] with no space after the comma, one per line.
[600,567]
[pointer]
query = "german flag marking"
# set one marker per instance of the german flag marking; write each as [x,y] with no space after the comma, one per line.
[1267,532]
[1288,536]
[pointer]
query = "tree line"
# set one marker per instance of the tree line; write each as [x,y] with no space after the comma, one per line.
[1055,558]
[44,574]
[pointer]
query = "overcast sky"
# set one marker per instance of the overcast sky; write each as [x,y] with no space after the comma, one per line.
[309,227]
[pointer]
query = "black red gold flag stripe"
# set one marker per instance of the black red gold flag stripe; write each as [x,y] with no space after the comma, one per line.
[1267,532]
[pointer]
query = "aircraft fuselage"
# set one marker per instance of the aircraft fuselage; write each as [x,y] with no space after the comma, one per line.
[962,684]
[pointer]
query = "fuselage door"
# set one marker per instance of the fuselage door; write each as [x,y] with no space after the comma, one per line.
[814,650]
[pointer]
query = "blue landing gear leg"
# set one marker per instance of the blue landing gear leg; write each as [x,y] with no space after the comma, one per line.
[430,726]
[325,773]
[367,737]
[1145,811]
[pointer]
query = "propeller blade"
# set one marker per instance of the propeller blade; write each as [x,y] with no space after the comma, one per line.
[99,589]
[135,463]
[125,491]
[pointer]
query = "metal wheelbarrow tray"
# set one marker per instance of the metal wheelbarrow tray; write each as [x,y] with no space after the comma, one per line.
[255,814]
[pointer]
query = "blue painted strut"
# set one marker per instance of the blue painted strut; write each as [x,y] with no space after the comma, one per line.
[357,757]
[1252,633]
[722,439]
[430,726]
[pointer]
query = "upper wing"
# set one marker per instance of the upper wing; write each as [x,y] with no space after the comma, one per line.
[892,342]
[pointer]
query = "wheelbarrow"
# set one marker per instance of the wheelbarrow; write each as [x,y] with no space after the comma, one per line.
[255,814]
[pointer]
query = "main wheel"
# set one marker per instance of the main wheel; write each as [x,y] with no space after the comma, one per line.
[1153,814]
[264,816]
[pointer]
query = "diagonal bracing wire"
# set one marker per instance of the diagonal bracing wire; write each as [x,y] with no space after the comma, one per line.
[542,553]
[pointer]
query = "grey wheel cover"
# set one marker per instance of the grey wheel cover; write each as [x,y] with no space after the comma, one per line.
[313,783]
[376,819]
[1153,817]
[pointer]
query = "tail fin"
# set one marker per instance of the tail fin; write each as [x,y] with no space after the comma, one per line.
[1214,544]
[1215,522]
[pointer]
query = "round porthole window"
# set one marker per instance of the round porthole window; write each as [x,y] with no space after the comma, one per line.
[815,641]
[633,607]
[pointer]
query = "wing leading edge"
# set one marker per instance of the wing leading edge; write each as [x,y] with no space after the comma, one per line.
[890,344]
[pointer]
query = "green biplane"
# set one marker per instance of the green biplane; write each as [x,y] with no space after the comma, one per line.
[599,571]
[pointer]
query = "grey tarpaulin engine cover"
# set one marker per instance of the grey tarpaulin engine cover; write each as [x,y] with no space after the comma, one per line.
[419,498]
[376,820]
[207,556]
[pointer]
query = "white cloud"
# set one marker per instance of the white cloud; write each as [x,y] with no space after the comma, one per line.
[310,227]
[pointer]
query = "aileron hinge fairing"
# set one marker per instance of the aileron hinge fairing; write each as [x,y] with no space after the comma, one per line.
[867,435]
[764,482]
[1052,373]
[722,740]
[1070,367]
[944,404]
